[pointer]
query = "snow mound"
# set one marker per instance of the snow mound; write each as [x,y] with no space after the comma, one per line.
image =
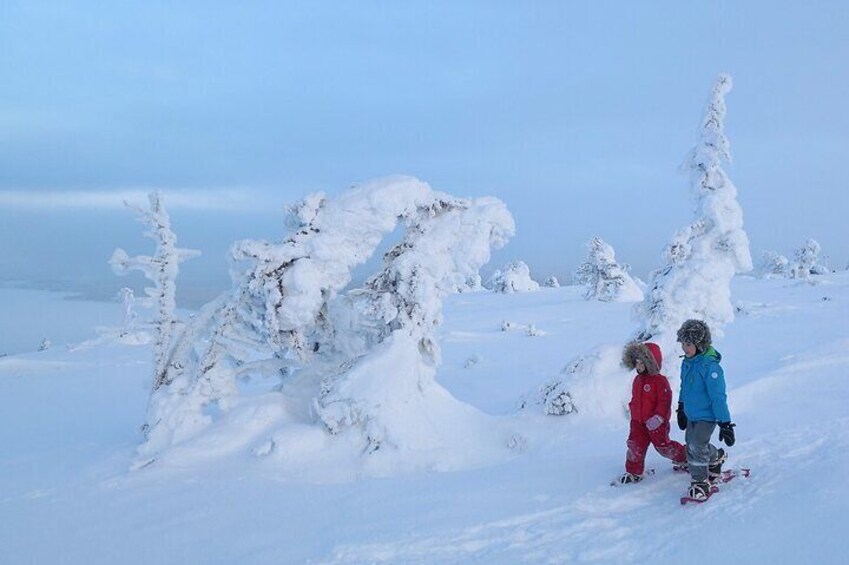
[595,384]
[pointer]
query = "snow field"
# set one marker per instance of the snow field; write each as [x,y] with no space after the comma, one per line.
[69,431]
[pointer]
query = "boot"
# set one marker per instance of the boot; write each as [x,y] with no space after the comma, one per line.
[630,478]
[715,468]
[699,490]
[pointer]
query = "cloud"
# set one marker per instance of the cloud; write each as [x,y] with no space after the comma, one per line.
[213,199]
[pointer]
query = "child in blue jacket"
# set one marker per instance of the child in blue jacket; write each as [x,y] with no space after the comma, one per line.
[702,406]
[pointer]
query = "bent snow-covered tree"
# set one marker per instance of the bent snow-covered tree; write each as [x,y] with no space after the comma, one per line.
[603,278]
[446,243]
[284,314]
[703,257]
[162,269]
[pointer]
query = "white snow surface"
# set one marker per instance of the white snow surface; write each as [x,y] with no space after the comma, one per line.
[504,486]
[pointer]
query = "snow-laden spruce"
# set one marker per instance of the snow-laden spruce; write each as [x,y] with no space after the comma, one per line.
[773,264]
[552,282]
[703,257]
[162,269]
[603,278]
[513,277]
[695,281]
[808,261]
[361,362]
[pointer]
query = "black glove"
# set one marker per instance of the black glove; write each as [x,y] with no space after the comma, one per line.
[682,418]
[726,433]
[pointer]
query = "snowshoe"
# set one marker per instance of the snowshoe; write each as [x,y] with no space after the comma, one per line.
[699,492]
[713,485]
[631,478]
[730,474]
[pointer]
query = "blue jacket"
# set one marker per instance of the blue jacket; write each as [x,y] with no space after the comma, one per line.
[703,388]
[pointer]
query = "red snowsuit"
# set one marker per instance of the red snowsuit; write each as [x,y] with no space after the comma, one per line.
[651,401]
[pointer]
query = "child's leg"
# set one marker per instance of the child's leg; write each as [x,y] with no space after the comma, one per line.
[699,450]
[667,447]
[638,443]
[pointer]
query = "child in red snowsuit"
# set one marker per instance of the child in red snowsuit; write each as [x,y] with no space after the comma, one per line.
[651,406]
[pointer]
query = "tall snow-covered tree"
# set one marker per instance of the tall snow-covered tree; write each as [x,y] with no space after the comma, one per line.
[161,268]
[700,262]
[603,278]
[703,257]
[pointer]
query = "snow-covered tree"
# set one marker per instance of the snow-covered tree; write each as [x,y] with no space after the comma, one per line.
[808,261]
[603,278]
[362,350]
[446,243]
[695,282]
[162,269]
[128,302]
[473,284]
[45,345]
[555,399]
[514,277]
[774,264]
[703,257]
[552,282]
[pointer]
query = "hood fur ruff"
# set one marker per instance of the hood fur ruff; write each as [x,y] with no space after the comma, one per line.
[648,353]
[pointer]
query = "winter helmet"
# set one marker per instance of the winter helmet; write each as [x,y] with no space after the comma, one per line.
[648,353]
[696,332]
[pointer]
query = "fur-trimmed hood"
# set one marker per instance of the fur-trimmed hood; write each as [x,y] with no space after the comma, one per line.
[648,352]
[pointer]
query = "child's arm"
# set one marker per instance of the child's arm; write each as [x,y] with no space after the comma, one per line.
[664,400]
[663,405]
[715,384]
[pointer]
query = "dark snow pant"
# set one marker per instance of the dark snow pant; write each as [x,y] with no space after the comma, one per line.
[700,452]
[638,444]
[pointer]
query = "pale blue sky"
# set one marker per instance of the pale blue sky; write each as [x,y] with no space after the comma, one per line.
[576,114]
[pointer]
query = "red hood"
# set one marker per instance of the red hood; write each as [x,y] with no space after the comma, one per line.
[655,352]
